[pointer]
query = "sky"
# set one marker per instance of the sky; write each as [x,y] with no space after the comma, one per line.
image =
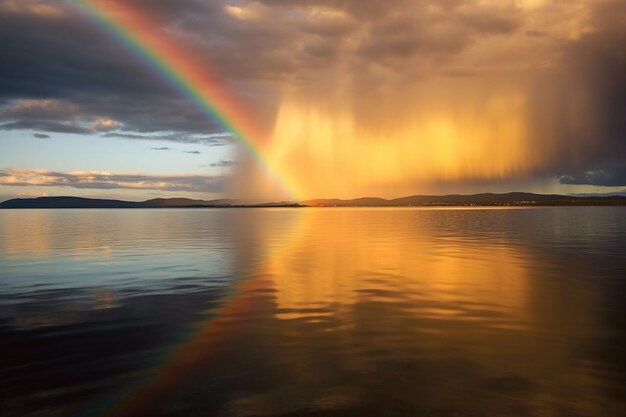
[299,99]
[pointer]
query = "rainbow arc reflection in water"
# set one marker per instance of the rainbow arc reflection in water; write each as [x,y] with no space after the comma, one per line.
[318,311]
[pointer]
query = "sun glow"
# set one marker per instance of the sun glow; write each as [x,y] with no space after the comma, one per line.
[329,151]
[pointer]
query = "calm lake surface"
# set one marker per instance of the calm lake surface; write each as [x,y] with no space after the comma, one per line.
[313,312]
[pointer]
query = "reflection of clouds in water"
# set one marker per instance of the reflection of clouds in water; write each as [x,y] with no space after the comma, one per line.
[104,299]
[362,312]
[45,233]
[16,227]
[50,309]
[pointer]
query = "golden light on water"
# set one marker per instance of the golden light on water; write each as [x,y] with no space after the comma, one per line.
[37,229]
[459,295]
[250,292]
[339,245]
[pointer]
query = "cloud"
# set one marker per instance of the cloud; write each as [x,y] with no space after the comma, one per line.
[584,102]
[108,180]
[41,136]
[76,75]
[102,124]
[243,42]
[194,152]
[163,148]
[390,62]
[52,115]
[29,6]
[39,109]
[223,164]
[47,126]
[602,177]
[59,67]
[217,139]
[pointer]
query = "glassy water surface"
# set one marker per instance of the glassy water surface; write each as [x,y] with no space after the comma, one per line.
[313,312]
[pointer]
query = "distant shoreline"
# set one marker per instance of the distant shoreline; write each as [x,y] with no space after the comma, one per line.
[515,199]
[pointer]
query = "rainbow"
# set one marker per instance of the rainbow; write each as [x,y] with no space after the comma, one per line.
[168,59]
[197,346]
[184,355]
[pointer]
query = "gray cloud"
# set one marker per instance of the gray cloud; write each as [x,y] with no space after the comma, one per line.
[218,139]
[245,46]
[436,34]
[46,126]
[82,74]
[163,148]
[603,177]
[584,102]
[41,136]
[39,109]
[223,164]
[193,152]
[62,74]
[108,180]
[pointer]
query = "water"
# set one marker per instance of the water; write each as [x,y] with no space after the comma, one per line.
[313,312]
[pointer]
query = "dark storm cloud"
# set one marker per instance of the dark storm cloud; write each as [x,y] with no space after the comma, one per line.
[60,56]
[47,126]
[41,136]
[603,177]
[33,109]
[75,71]
[108,180]
[440,33]
[78,73]
[59,73]
[64,56]
[590,124]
